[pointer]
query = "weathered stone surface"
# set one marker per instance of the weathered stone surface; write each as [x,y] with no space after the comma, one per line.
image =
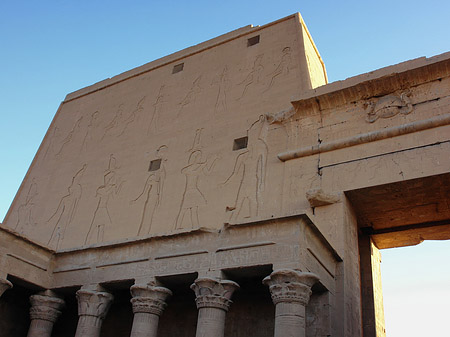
[201,166]
[148,303]
[93,306]
[213,299]
[45,309]
[4,285]
[290,290]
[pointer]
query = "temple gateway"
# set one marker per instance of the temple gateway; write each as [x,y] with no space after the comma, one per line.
[227,190]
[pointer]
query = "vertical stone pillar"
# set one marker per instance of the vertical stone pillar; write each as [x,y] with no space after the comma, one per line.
[290,290]
[213,299]
[45,310]
[92,309]
[4,285]
[148,304]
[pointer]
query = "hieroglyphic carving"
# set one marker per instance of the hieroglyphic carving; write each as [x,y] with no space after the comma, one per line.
[222,83]
[87,139]
[186,264]
[25,211]
[253,76]
[154,123]
[191,95]
[388,106]
[250,166]
[111,186]
[193,198]
[152,192]
[69,136]
[257,255]
[283,66]
[65,212]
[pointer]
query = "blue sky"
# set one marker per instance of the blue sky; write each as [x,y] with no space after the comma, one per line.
[51,48]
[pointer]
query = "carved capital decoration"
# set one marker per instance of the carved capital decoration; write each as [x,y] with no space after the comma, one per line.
[4,285]
[288,285]
[93,303]
[212,293]
[388,106]
[45,307]
[149,299]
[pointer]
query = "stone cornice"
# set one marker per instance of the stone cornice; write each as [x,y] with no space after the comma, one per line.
[373,84]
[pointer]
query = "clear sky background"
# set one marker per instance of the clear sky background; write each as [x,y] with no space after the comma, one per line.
[51,48]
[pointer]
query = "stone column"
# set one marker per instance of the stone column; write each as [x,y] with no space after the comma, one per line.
[148,304]
[45,310]
[4,285]
[92,309]
[213,298]
[290,290]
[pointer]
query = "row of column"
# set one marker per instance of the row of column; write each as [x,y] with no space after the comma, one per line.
[290,291]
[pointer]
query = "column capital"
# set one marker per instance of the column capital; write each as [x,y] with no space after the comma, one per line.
[45,307]
[149,299]
[213,293]
[4,285]
[93,303]
[288,285]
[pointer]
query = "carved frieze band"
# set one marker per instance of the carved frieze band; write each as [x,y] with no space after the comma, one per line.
[212,293]
[149,299]
[288,285]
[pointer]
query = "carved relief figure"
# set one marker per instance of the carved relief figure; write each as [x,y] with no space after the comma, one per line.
[87,139]
[115,122]
[253,76]
[69,136]
[250,167]
[191,95]
[121,121]
[131,116]
[51,143]
[283,66]
[193,198]
[153,125]
[152,192]
[388,106]
[25,211]
[65,212]
[111,186]
[221,99]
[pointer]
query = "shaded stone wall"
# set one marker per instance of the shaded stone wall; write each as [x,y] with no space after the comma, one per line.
[14,312]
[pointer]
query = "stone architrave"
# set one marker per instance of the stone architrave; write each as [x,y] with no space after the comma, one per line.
[213,299]
[92,309]
[45,310]
[290,291]
[148,304]
[4,285]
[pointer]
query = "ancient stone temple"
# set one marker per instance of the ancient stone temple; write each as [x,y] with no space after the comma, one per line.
[227,190]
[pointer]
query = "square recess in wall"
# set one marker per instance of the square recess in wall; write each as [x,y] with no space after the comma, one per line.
[240,143]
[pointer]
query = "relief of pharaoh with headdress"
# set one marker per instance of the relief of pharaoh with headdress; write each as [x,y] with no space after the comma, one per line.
[152,192]
[64,213]
[193,198]
[101,219]
[250,169]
